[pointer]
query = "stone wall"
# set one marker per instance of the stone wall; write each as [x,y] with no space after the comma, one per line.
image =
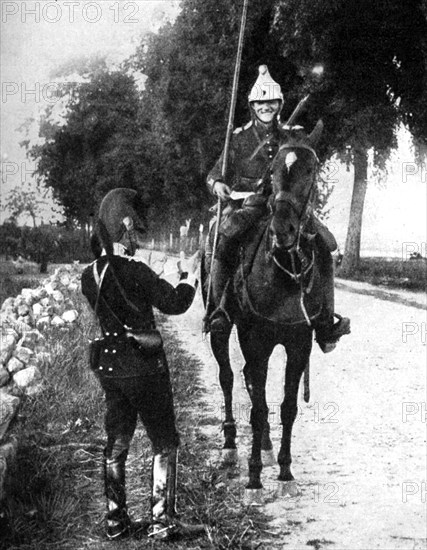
[24,323]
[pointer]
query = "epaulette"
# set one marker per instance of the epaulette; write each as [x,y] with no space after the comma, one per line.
[241,128]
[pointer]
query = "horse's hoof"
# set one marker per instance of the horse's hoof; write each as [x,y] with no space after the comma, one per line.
[268,458]
[253,497]
[229,457]
[288,489]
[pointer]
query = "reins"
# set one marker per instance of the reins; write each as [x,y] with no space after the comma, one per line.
[295,249]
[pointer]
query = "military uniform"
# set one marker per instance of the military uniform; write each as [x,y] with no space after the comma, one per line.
[248,171]
[252,151]
[133,375]
[122,366]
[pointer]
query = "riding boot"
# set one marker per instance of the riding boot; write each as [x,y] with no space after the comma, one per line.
[223,268]
[164,523]
[117,519]
[328,332]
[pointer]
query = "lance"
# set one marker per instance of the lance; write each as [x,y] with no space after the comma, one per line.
[226,152]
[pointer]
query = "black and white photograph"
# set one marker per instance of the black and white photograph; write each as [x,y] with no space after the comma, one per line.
[213,268]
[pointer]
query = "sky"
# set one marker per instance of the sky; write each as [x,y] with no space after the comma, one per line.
[38,36]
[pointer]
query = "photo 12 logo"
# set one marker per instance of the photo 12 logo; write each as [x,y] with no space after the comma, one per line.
[413,251]
[11,169]
[413,169]
[414,489]
[410,329]
[49,92]
[53,12]
[414,411]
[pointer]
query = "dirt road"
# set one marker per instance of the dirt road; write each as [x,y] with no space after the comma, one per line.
[359,452]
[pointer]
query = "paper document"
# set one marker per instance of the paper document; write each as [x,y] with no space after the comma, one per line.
[239,195]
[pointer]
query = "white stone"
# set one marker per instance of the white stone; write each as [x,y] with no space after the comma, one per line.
[9,302]
[65,279]
[57,321]
[37,309]
[58,296]
[24,322]
[27,378]
[70,316]
[45,301]
[15,365]
[34,389]
[8,344]
[43,322]
[23,354]
[19,300]
[29,296]
[21,326]
[50,287]
[9,314]
[40,293]
[73,287]
[22,310]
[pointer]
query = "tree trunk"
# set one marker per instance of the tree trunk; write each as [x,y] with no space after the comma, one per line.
[352,244]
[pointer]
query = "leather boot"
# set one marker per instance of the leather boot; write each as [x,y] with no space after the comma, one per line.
[117,519]
[223,268]
[164,523]
[328,332]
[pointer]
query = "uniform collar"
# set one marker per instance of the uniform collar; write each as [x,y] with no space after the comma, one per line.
[120,250]
[263,130]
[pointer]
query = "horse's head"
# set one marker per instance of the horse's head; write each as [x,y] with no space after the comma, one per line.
[293,176]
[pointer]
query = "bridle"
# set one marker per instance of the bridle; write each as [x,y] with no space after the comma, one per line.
[294,250]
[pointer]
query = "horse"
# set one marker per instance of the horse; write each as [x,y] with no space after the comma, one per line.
[276,294]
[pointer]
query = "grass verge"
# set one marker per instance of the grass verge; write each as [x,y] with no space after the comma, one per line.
[55,494]
[394,273]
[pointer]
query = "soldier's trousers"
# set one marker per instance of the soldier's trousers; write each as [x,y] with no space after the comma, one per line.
[148,397]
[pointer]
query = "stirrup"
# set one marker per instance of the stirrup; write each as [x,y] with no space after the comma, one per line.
[327,338]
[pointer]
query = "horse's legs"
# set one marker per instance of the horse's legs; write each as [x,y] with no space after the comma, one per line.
[266,444]
[220,349]
[256,346]
[298,348]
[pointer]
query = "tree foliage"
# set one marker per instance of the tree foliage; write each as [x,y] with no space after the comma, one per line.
[93,149]
[164,141]
[374,54]
[23,201]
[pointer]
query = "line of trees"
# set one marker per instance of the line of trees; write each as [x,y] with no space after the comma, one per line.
[163,141]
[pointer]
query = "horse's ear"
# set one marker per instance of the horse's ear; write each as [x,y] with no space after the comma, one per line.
[314,137]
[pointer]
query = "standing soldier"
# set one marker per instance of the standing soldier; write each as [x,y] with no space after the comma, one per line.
[130,362]
[252,151]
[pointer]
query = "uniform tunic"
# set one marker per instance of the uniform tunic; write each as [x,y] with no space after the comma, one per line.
[244,172]
[249,170]
[134,383]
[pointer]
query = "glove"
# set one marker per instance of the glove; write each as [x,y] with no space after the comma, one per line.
[221,190]
[189,267]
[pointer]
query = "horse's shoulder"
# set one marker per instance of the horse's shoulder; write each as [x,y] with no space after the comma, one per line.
[251,244]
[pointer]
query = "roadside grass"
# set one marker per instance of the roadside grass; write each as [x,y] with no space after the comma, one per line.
[54,487]
[12,285]
[394,273]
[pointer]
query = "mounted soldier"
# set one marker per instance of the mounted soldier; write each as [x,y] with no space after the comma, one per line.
[245,188]
[130,362]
